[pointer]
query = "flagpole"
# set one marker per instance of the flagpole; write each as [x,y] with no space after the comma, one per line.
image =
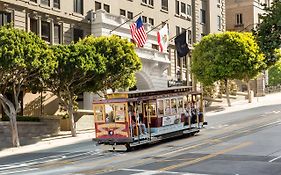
[156,26]
[125,22]
[179,34]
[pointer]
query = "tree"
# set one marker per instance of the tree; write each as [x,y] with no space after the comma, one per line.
[23,58]
[77,65]
[268,33]
[226,56]
[122,62]
[274,74]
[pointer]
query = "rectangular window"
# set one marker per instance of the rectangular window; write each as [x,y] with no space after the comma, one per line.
[34,1]
[239,19]
[178,30]
[77,34]
[144,19]
[149,2]
[151,21]
[167,107]
[164,5]
[5,18]
[122,12]
[45,2]
[57,4]
[219,22]
[45,31]
[188,9]
[183,8]
[78,6]
[203,16]
[57,34]
[98,112]
[106,8]
[184,61]
[33,26]
[160,105]
[97,5]
[189,37]
[130,15]
[177,7]
[120,110]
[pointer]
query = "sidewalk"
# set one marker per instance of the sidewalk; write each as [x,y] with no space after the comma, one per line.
[64,138]
[241,104]
[216,108]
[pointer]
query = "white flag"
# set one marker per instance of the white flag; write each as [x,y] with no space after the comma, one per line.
[163,38]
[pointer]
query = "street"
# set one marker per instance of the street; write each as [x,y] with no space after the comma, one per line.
[243,142]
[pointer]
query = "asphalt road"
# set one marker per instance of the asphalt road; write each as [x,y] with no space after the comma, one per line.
[246,142]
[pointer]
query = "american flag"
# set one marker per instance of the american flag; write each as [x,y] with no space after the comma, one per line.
[138,33]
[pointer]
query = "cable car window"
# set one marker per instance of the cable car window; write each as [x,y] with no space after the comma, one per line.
[167,107]
[152,108]
[109,117]
[174,106]
[160,106]
[180,105]
[120,112]
[98,112]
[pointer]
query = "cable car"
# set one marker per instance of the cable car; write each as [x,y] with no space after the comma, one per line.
[141,117]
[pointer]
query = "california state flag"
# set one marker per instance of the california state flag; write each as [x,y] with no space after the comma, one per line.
[163,38]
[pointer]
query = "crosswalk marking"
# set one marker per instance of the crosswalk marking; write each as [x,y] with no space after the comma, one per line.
[149,172]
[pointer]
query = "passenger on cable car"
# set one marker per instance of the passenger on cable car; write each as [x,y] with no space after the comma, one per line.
[143,129]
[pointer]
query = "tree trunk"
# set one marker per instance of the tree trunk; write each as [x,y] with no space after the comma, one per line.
[227,92]
[249,91]
[11,112]
[72,122]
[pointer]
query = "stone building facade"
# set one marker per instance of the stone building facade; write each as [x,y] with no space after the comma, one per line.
[64,21]
[243,16]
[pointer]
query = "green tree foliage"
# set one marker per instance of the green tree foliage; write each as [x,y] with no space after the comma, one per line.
[268,33]
[23,58]
[77,65]
[274,74]
[226,56]
[121,62]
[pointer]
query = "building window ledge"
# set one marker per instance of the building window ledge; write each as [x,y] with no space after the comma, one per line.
[77,15]
[33,3]
[164,11]
[45,6]
[56,9]
[239,25]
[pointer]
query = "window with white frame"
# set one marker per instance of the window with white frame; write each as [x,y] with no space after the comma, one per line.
[177,7]
[45,31]
[188,9]
[5,18]
[122,12]
[57,34]
[203,16]
[151,21]
[130,15]
[144,19]
[239,18]
[106,7]
[219,22]
[97,5]
[189,37]
[78,6]
[183,8]
[164,5]
[33,26]
[77,34]
[148,2]
[56,4]
[45,2]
